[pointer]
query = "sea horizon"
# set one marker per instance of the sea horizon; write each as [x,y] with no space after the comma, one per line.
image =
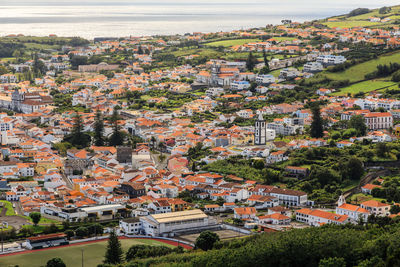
[105,18]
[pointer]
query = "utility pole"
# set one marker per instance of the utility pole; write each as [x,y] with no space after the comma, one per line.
[82,256]
[2,231]
[2,250]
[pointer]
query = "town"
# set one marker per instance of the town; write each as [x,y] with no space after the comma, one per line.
[239,133]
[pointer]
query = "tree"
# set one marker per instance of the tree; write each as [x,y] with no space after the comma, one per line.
[352,169]
[357,122]
[98,130]
[38,66]
[78,138]
[317,130]
[251,61]
[55,262]
[95,229]
[206,240]
[266,62]
[114,250]
[78,60]
[382,150]
[332,262]
[81,231]
[116,138]
[140,50]
[3,70]
[323,175]
[35,216]
[220,201]
[69,233]
[395,209]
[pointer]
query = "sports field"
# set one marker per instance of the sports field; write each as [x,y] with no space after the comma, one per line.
[93,254]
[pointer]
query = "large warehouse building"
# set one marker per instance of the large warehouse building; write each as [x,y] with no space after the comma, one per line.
[168,224]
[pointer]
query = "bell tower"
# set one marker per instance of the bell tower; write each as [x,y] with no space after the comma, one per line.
[260,131]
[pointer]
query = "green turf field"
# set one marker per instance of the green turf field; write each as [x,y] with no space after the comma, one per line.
[229,43]
[357,73]
[93,254]
[366,86]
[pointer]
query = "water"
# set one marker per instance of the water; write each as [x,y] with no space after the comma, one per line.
[98,18]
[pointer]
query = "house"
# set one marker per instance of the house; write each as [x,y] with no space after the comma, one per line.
[245,213]
[265,79]
[355,213]
[323,91]
[262,202]
[159,206]
[298,172]
[378,120]
[130,226]
[212,208]
[289,197]
[367,189]
[328,60]
[134,190]
[276,218]
[342,144]
[319,217]
[312,67]
[277,156]
[376,207]
[289,74]
[240,85]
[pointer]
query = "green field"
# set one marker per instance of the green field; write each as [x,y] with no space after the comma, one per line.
[229,43]
[357,73]
[362,20]
[283,38]
[93,254]
[366,86]
[350,23]
[207,52]
[10,211]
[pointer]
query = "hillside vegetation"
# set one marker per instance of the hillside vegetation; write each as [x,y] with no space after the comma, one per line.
[322,246]
[350,20]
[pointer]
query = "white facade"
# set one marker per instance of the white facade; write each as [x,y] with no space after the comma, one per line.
[130,226]
[377,120]
[313,67]
[169,223]
[265,79]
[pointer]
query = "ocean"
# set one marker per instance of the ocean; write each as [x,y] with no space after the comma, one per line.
[107,18]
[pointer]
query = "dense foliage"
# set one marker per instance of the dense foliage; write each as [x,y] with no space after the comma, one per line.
[349,245]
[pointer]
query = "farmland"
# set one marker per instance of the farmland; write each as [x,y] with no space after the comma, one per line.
[366,86]
[357,73]
[229,43]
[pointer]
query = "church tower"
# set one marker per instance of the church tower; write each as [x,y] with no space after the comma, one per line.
[341,201]
[260,131]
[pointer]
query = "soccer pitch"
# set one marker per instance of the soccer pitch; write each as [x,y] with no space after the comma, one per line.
[93,254]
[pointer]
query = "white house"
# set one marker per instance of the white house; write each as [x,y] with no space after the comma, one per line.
[265,79]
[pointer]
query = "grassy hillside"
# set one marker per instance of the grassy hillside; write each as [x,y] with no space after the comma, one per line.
[357,73]
[229,43]
[366,86]
[363,20]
